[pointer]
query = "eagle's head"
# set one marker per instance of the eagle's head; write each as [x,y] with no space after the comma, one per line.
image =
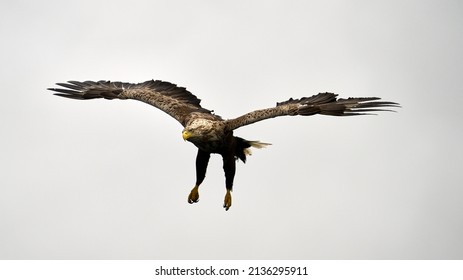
[188,134]
[205,134]
[195,134]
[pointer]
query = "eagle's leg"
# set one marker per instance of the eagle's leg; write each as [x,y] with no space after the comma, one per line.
[202,159]
[229,166]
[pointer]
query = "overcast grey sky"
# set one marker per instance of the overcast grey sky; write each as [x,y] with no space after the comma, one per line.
[109,179]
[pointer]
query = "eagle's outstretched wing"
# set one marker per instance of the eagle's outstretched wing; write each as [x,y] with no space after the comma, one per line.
[175,101]
[323,103]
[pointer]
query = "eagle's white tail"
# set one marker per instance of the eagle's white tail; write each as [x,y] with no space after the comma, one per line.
[255,144]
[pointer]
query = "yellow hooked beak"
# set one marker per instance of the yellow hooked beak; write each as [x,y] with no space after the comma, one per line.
[186,135]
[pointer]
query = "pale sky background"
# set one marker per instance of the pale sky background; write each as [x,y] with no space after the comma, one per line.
[105,179]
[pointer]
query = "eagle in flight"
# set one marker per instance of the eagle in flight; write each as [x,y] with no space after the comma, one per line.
[209,132]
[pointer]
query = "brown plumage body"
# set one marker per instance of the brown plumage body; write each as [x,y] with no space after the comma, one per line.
[209,132]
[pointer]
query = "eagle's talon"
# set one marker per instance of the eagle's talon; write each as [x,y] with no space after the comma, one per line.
[192,201]
[227,201]
[193,197]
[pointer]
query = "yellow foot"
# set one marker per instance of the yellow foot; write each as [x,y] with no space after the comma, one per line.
[227,201]
[194,195]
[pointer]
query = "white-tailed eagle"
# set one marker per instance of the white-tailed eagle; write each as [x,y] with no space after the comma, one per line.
[209,132]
